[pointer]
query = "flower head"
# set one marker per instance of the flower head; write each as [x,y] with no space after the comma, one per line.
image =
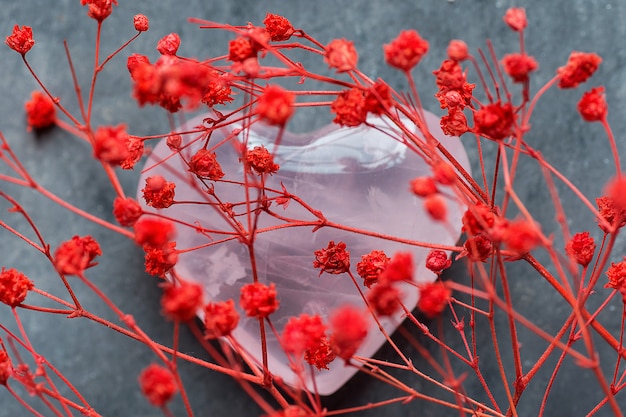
[126,211]
[303,333]
[204,164]
[111,144]
[433,299]
[21,39]
[518,66]
[384,299]
[406,50]
[40,111]
[158,261]
[349,108]
[321,355]
[371,266]
[399,268]
[6,368]
[275,105]
[341,55]
[14,287]
[261,161]
[581,248]
[154,232]
[437,261]
[99,9]
[278,27]
[169,44]
[182,300]
[334,259]
[141,23]
[494,121]
[616,275]
[75,255]
[349,327]
[220,319]
[258,300]
[515,17]
[157,384]
[158,192]
[580,66]
[457,50]
[592,105]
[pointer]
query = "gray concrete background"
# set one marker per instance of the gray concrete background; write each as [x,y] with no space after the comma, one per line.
[104,365]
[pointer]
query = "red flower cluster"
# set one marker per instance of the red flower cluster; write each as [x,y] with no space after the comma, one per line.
[437,261]
[349,327]
[111,144]
[434,297]
[320,356]
[275,105]
[158,385]
[182,300]
[99,9]
[436,207]
[371,266]
[169,44]
[40,111]
[580,66]
[241,49]
[303,333]
[406,50]
[349,108]
[454,124]
[154,232]
[14,287]
[217,91]
[158,261]
[521,236]
[204,164]
[616,275]
[278,27]
[258,300]
[341,55]
[74,256]
[384,299]
[494,121]
[613,215]
[477,248]
[220,319]
[21,39]
[126,211]
[399,268]
[334,259]
[6,368]
[518,66]
[454,94]
[141,23]
[261,161]
[158,192]
[457,50]
[592,105]
[515,17]
[581,248]
[478,219]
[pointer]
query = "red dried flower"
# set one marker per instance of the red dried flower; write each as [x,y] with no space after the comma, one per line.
[158,385]
[454,124]
[450,75]
[349,108]
[371,266]
[217,92]
[341,55]
[174,142]
[494,121]
[384,299]
[275,105]
[457,50]
[6,368]
[349,329]
[334,259]
[158,192]
[457,98]
[592,105]
[261,161]
[169,44]
[278,27]
[515,17]
[303,333]
[154,232]
[444,173]
[423,186]
[204,164]
[406,50]
[581,248]
[436,207]
[220,319]
[437,261]
[320,356]
[610,213]
[21,39]
[241,49]
[518,66]
[522,236]
[99,9]
[615,189]
[477,248]
[14,287]
[126,210]
[74,256]
[40,111]
[158,261]
[434,297]
[399,268]
[478,218]
[580,66]
[141,23]
[134,61]
[378,98]
[135,152]
[182,300]
[111,144]
[616,275]
[258,300]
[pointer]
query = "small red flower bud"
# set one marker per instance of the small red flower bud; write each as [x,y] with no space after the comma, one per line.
[220,319]
[399,268]
[478,218]
[40,111]
[450,75]
[111,144]
[521,236]
[592,105]
[341,55]
[182,300]
[384,299]
[371,266]
[494,121]
[303,333]
[74,256]
[378,98]
[349,327]
[158,261]
[158,385]
[423,186]
[349,108]
[275,105]
[21,39]
[204,164]
[334,259]
[406,50]
[610,213]
[515,17]
[278,27]
[579,68]
[258,300]
[14,287]
[457,50]
[141,23]
[436,207]
[154,232]
[169,44]
[616,275]
[477,248]
[433,299]
[518,66]
[261,161]
[174,142]
[444,173]
[320,356]
[437,261]
[159,193]
[454,124]
[99,9]
[240,49]
[581,248]
[126,211]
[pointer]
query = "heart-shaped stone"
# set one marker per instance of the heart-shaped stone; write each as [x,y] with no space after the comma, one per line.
[358,177]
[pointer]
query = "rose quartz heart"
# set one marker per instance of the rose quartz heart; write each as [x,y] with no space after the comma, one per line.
[358,177]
